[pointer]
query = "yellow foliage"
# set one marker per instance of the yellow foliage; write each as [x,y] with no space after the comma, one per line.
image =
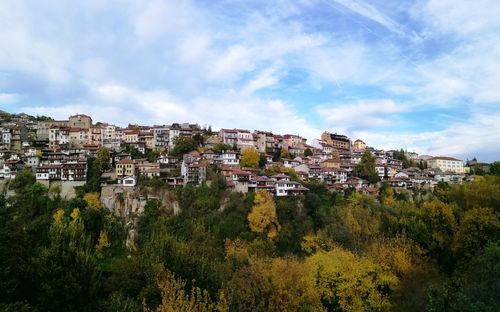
[174,297]
[75,214]
[360,222]
[263,217]
[273,285]
[250,158]
[352,282]
[103,242]
[314,242]
[284,153]
[395,254]
[92,200]
[58,215]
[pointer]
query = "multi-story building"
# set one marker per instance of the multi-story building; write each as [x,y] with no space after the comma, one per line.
[244,140]
[160,134]
[80,121]
[43,128]
[96,136]
[444,164]
[78,137]
[131,136]
[359,145]
[291,141]
[58,137]
[338,141]
[124,168]
[264,141]
[229,136]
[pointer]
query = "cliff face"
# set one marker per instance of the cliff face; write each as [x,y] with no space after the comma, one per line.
[129,202]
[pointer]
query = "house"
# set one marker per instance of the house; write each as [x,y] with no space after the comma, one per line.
[96,136]
[244,140]
[78,137]
[124,168]
[74,170]
[49,172]
[314,172]
[131,136]
[333,175]
[289,188]
[230,158]
[290,163]
[264,141]
[128,181]
[229,136]
[148,169]
[195,173]
[58,137]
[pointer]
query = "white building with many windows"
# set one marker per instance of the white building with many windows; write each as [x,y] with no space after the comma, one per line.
[446,164]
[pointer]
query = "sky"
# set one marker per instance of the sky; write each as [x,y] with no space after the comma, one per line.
[421,75]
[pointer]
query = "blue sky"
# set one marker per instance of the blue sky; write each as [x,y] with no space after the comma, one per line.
[422,75]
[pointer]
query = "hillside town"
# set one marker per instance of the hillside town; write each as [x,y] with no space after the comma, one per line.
[182,153]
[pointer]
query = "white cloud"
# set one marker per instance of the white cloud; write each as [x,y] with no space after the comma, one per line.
[370,12]
[477,136]
[359,115]
[8,98]
[462,18]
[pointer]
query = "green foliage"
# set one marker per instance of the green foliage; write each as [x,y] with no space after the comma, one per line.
[221,147]
[366,168]
[495,168]
[182,146]
[400,155]
[308,152]
[328,252]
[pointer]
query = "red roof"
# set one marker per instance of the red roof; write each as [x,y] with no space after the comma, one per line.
[443,158]
[125,162]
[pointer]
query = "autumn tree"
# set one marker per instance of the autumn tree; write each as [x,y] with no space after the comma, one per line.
[308,152]
[175,298]
[347,282]
[250,158]
[477,227]
[441,226]
[284,153]
[93,200]
[273,285]
[263,217]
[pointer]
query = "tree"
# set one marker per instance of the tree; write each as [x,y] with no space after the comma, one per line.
[400,155]
[441,225]
[263,217]
[175,298]
[495,168]
[221,147]
[93,201]
[366,168]
[183,145]
[308,152]
[250,158]
[284,153]
[478,226]
[347,282]
[273,285]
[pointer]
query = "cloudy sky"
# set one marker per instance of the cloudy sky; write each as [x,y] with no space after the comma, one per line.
[422,75]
